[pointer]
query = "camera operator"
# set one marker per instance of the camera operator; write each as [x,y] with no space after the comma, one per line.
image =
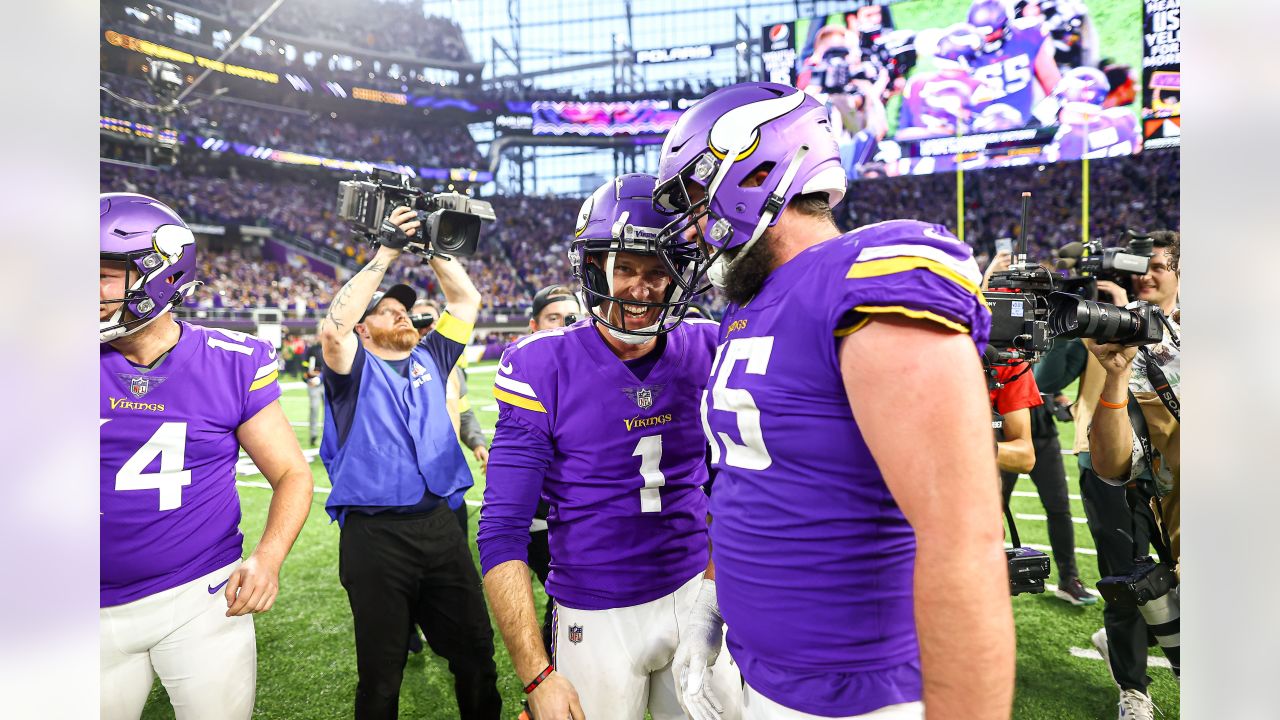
[425,313]
[1120,531]
[1035,426]
[853,89]
[396,469]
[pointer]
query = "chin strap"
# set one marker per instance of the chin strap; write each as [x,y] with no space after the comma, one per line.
[719,270]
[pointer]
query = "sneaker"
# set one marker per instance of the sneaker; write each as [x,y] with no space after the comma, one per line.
[1104,649]
[1135,705]
[1073,591]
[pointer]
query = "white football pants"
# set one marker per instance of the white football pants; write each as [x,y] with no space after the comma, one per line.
[619,660]
[758,707]
[208,662]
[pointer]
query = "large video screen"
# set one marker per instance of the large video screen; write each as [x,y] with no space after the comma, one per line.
[935,85]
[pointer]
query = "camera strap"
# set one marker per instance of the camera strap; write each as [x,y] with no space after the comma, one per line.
[1013,529]
[1161,384]
[1142,492]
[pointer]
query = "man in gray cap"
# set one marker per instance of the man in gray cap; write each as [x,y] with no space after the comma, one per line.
[397,471]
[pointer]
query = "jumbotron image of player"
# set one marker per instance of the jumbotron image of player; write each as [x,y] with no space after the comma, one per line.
[601,419]
[849,429]
[178,403]
[1085,128]
[1016,62]
[940,103]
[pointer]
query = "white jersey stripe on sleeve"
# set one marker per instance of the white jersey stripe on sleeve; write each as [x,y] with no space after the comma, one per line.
[265,370]
[967,269]
[514,386]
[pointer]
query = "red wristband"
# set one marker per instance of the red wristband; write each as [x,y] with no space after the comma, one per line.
[538,680]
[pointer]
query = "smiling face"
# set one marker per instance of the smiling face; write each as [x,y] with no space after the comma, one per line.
[636,277]
[1159,285]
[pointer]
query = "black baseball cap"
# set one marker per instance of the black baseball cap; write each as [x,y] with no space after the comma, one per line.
[548,295]
[406,295]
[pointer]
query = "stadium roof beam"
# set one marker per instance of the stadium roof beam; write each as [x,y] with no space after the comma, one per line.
[628,59]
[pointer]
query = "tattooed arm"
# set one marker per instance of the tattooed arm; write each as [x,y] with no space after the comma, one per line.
[337,331]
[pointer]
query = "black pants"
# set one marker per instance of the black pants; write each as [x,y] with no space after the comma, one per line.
[399,569]
[1119,534]
[1050,479]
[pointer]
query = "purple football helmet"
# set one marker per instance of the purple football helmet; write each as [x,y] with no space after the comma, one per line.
[991,19]
[1084,84]
[958,47]
[620,217]
[716,149]
[159,254]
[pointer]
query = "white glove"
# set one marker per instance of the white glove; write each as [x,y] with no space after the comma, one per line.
[699,646]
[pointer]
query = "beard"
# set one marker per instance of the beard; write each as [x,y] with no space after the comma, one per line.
[748,272]
[398,339]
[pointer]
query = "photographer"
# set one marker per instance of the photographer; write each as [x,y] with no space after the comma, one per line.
[1120,531]
[396,469]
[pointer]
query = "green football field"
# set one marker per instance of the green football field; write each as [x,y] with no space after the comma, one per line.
[306,649]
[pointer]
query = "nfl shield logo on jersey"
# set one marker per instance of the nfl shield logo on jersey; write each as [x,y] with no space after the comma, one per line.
[644,398]
[140,385]
[575,634]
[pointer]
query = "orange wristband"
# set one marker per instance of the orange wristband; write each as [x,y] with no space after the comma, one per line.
[1113,406]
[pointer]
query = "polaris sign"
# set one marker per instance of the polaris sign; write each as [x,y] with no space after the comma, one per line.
[675,54]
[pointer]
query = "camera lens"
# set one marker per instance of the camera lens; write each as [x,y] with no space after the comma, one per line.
[1071,316]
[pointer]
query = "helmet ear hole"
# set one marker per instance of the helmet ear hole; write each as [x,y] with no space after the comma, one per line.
[752,180]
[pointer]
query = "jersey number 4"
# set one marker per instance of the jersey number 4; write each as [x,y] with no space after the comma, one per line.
[169,443]
[750,454]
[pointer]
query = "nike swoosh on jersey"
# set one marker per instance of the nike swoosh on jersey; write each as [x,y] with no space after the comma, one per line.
[505,368]
[215,588]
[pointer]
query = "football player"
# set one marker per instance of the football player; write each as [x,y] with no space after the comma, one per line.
[941,103]
[1086,129]
[601,419]
[849,429]
[1014,53]
[178,403]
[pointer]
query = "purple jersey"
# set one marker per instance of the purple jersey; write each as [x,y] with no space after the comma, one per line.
[1008,74]
[933,105]
[1087,131]
[170,512]
[620,460]
[813,557]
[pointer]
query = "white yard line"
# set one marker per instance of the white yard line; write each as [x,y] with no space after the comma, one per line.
[1024,493]
[1093,654]
[1047,549]
[1042,518]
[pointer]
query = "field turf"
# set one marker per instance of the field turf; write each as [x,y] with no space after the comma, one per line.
[306,650]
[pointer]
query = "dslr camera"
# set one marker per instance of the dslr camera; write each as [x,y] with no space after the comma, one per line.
[837,72]
[450,221]
[1029,310]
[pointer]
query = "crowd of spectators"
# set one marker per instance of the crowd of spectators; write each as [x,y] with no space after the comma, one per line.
[393,26]
[313,133]
[1138,192]
[527,247]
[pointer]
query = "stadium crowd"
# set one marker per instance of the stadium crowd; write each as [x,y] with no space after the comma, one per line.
[526,248]
[397,26]
[305,132]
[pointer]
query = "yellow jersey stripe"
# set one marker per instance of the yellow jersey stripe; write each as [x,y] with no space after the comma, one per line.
[898,309]
[889,266]
[454,329]
[264,381]
[510,399]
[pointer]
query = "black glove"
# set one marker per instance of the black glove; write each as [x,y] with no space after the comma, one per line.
[390,235]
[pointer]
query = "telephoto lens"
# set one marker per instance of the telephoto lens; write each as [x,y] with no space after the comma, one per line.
[1071,316]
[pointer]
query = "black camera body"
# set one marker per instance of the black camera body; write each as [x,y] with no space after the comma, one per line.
[1019,313]
[422,321]
[1148,581]
[450,221]
[1028,569]
[837,73]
